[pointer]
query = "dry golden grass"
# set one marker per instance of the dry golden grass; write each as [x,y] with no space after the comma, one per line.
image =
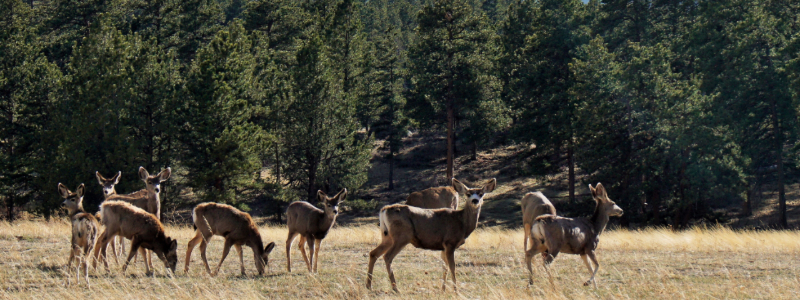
[654,263]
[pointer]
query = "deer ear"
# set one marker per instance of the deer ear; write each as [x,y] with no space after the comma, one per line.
[63,190]
[81,190]
[100,178]
[489,187]
[165,174]
[594,192]
[269,247]
[341,195]
[322,196]
[460,187]
[600,191]
[143,174]
[173,245]
[116,178]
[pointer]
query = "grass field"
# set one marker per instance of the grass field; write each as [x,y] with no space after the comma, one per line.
[702,263]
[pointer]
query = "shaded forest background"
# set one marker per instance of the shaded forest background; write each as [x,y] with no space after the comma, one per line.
[679,107]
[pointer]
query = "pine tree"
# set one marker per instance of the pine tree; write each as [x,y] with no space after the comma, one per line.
[449,60]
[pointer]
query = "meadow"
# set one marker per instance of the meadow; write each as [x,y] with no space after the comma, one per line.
[702,263]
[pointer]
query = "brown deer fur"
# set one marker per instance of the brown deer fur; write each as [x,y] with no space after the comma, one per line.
[147,199]
[533,205]
[235,226]
[84,228]
[108,191]
[552,234]
[142,228]
[435,197]
[312,224]
[442,229]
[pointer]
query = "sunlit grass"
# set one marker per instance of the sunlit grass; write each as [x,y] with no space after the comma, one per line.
[653,263]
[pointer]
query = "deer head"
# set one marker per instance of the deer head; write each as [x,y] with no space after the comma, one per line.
[474,195]
[73,202]
[265,255]
[170,253]
[604,205]
[153,183]
[108,184]
[331,204]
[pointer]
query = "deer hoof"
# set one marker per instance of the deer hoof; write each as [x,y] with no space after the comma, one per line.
[587,283]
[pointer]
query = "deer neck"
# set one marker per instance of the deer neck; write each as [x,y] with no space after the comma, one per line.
[74,211]
[326,222]
[599,219]
[469,218]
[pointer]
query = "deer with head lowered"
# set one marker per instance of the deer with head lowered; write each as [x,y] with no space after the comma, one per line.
[534,205]
[441,229]
[435,197]
[552,234]
[312,224]
[142,228]
[147,199]
[84,228]
[238,229]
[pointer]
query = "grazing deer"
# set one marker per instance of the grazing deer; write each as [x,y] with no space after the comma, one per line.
[84,228]
[441,229]
[533,205]
[552,234]
[435,197]
[147,199]
[142,228]
[312,224]
[235,226]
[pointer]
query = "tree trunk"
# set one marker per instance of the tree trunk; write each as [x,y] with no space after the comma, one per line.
[312,177]
[778,136]
[10,206]
[474,150]
[450,138]
[571,159]
[747,206]
[277,164]
[391,170]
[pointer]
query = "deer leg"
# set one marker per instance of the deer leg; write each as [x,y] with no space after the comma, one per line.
[596,267]
[71,256]
[301,244]
[85,264]
[444,276]
[585,259]
[203,246]
[99,245]
[451,262]
[527,228]
[241,258]
[388,260]
[315,257]
[225,250]
[311,250]
[143,253]
[135,243]
[386,244]
[289,241]
[104,242]
[198,237]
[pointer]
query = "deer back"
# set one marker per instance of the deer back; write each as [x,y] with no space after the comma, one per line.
[430,228]
[140,199]
[127,220]
[306,219]
[535,204]
[227,221]
[435,197]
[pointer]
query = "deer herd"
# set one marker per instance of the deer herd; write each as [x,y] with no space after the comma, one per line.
[429,219]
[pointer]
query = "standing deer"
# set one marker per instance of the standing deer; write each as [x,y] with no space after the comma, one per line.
[312,224]
[552,234]
[533,205]
[441,229]
[147,199]
[108,191]
[142,228]
[84,228]
[435,197]
[235,226]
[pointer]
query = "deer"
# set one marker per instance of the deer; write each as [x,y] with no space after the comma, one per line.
[534,204]
[84,228]
[442,229]
[435,197]
[141,227]
[312,224]
[108,191]
[552,234]
[147,199]
[236,226]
